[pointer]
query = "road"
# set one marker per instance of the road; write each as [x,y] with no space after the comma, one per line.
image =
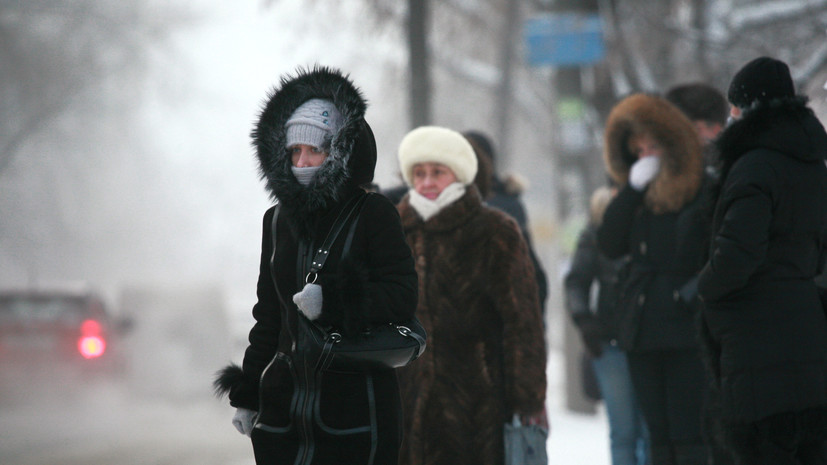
[107,423]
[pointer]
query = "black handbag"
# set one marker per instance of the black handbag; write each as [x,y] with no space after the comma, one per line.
[381,347]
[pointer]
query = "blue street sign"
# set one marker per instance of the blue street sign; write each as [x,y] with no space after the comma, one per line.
[564,39]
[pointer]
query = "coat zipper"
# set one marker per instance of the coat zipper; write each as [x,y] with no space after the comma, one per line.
[307,393]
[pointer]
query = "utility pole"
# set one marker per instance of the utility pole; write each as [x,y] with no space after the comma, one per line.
[504,93]
[419,67]
[568,38]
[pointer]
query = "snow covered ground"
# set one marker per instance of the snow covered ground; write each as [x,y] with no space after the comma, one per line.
[575,439]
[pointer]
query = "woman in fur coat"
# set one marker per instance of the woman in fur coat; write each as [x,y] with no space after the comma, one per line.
[315,151]
[478,301]
[767,326]
[658,218]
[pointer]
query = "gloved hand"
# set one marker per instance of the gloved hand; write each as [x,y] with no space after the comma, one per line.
[243,420]
[643,172]
[593,333]
[309,300]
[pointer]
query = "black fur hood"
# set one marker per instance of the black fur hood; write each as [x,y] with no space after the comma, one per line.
[352,151]
[788,126]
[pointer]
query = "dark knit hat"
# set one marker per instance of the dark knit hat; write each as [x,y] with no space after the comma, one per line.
[762,79]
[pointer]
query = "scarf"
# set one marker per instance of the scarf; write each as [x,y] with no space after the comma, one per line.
[427,208]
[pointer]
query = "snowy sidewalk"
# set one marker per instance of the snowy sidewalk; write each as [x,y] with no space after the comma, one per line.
[575,439]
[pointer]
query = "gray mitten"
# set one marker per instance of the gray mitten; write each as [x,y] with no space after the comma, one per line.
[643,172]
[309,300]
[243,420]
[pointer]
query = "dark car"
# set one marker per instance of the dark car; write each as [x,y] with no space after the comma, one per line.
[54,332]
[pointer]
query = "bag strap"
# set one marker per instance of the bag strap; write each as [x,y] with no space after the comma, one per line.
[323,252]
[352,231]
[273,256]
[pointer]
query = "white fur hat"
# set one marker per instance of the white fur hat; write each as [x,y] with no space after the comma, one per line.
[433,144]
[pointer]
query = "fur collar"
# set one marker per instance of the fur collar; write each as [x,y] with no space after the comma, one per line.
[681,173]
[352,153]
[449,218]
[787,126]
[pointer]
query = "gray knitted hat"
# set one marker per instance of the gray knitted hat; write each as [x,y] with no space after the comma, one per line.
[313,123]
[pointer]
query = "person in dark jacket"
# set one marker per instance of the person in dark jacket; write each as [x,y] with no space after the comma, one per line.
[658,218]
[315,150]
[704,105]
[708,110]
[766,327]
[486,357]
[504,195]
[596,319]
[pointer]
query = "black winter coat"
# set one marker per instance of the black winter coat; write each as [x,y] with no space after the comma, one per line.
[589,266]
[507,199]
[307,416]
[657,302]
[663,229]
[768,345]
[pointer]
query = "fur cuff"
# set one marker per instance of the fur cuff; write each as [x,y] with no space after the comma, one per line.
[228,380]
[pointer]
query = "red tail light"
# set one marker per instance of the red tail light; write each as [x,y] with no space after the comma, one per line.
[91,343]
[91,346]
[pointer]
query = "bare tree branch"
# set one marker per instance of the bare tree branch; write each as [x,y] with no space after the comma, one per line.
[814,63]
[773,12]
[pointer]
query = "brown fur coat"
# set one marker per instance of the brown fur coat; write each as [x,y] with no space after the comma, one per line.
[486,352]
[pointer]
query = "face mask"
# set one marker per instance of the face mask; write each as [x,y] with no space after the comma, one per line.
[305,175]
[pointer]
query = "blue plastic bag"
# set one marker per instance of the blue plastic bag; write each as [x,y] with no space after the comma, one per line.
[525,444]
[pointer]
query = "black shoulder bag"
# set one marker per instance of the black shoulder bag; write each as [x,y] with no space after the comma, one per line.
[381,347]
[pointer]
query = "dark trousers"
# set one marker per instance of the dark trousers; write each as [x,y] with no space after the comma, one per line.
[720,453]
[792,438]
[670,387]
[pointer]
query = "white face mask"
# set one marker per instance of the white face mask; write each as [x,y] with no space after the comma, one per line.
[304,175]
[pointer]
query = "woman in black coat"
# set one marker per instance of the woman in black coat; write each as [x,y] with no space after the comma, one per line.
[653,152]
[315,151]
[766,325]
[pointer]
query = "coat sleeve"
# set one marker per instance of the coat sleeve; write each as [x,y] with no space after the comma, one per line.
[378,284]
[739,245]
[613,233]
[264,336]
[514,292]
[581,274]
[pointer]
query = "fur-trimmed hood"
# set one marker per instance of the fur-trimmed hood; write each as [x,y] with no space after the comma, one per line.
[681,173]
[352,150]
[787,126]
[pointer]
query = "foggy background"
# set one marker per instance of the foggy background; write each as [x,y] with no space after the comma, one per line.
[126,165]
